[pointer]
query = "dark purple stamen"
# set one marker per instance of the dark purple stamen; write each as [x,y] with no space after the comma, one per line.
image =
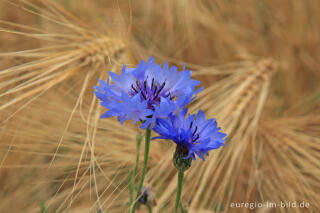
[145,84]
[163,84]
[196,138]
[155,90]
[191,125]
[160,89]
[134,88]
[195,131]
[144,96]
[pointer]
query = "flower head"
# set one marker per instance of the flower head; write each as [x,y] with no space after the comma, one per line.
[146,92]
[193,135]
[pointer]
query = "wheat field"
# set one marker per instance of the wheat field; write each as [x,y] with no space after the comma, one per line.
[257,60]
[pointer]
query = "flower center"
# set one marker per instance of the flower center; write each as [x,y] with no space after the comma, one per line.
[151,92]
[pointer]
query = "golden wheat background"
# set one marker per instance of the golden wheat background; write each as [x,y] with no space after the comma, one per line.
[258,61]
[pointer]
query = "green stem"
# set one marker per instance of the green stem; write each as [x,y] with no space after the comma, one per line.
[179,190]
[144,169]
[182,209]
[149,208]
[133,175]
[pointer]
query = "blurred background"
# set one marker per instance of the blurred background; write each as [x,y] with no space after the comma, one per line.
[258,61]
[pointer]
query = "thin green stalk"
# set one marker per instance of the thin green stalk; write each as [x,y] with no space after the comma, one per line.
[144,169]
[149,208]
[44,208]
[179,190]
[182,209]
[132,176]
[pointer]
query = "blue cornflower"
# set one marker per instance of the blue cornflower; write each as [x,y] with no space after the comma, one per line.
[146,93]
[193,135]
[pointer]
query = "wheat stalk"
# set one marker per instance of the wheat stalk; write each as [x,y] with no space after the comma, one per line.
[80,50]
